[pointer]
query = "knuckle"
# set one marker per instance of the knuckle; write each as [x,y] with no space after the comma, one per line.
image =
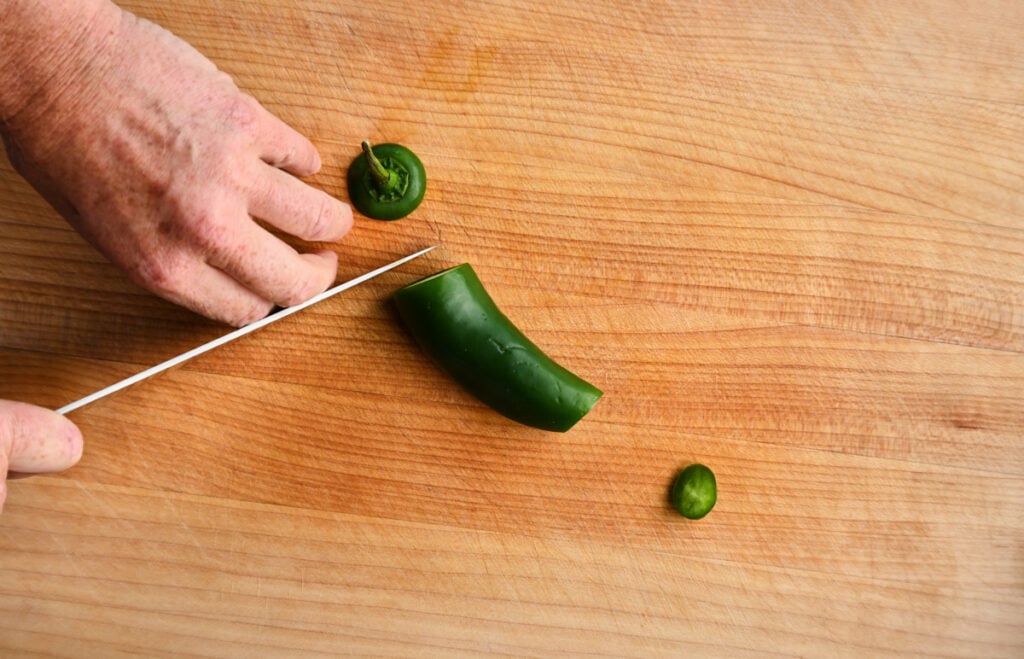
[222,77]
[322,225]
[282,156]
[329,222]
[304,287]
[299,292]
[208,228]
[250,313]
[243,112]
[159,272]
[195,215]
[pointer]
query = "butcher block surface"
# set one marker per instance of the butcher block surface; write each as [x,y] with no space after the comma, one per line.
[786,239]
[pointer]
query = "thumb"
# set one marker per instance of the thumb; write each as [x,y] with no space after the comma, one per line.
[35,440]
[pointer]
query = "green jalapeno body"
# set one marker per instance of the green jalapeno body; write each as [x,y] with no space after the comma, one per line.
[453,318]
[386,182]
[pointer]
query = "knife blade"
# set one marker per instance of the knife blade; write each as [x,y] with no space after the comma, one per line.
[238,333]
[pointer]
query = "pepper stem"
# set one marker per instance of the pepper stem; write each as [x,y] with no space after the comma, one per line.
[383,178]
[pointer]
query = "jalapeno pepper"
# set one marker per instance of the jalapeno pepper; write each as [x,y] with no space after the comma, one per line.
[694,491]
[453,318]
[386,182]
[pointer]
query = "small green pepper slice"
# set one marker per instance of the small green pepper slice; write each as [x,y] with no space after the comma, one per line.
[694,491]
[386,182]
[453,318]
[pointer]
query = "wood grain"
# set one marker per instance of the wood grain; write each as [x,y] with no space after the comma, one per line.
[787,241]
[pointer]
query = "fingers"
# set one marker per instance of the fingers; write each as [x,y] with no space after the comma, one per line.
[222,264]
[209,291]
[297,208]
[35,440]
[239,284]
[271,269]
[239,280]
[282,146]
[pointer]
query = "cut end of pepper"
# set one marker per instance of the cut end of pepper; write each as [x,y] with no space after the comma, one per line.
[386,182]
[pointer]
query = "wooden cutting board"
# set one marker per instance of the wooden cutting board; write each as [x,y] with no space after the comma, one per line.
[787,241]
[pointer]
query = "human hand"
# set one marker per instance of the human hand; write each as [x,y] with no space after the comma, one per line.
[160,162]
[35,440]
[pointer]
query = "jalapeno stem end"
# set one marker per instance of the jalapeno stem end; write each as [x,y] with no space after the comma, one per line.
[383,178]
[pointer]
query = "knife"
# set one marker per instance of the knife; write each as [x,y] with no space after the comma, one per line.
[238,333]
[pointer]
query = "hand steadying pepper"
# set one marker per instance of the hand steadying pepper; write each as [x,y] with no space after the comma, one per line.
[158,160]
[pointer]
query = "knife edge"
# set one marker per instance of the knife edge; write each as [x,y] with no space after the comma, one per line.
[236,334]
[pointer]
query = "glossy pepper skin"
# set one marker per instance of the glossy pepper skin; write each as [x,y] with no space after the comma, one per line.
[453,318]
[694,491]
[386,181]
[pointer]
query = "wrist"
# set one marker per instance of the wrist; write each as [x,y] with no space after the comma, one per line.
[43,45]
